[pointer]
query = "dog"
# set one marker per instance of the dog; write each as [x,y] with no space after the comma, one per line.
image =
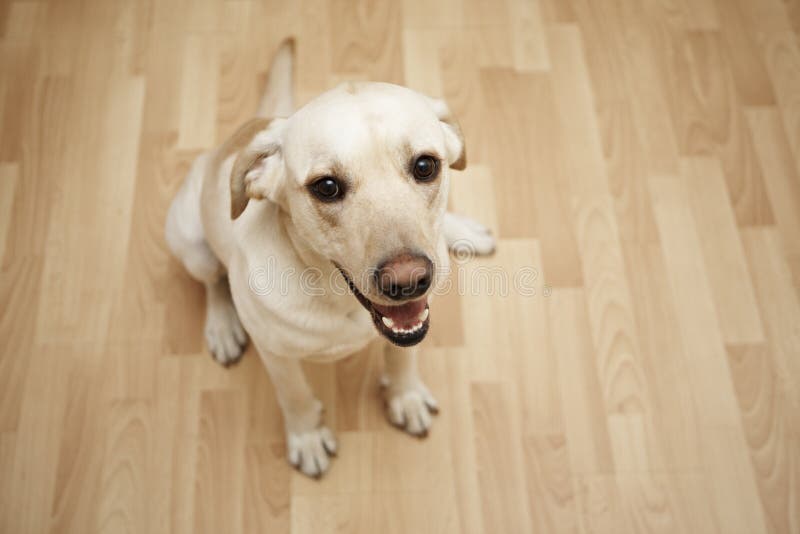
[349,193]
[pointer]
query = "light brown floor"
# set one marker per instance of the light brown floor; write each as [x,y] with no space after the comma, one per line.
[641,155]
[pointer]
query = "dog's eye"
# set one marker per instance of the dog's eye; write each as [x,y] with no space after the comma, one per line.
[425,168]
[327,189]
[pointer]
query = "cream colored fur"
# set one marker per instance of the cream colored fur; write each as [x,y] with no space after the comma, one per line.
[244,216]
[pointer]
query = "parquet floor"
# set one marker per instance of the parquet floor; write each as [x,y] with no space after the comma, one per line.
[643,156]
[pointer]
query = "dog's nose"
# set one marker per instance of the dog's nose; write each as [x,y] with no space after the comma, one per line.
[405,276]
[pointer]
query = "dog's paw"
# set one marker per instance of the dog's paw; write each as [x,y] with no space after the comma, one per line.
[467,237]
[224,333]
[309,451]
[410,406]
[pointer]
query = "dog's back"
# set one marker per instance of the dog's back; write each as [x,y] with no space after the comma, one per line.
[193,214]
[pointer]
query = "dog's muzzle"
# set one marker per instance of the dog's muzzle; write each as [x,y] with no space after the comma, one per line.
[404,324]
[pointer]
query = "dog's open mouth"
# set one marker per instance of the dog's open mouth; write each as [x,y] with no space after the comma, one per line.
[404,325]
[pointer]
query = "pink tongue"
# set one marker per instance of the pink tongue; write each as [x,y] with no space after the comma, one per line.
[405,315]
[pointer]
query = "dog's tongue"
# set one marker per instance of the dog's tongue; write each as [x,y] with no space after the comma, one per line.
[405,315]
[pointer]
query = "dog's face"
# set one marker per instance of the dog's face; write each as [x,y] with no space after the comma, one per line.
[362,171]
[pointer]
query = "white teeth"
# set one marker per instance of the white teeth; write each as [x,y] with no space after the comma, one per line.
[422,317]
[411,330]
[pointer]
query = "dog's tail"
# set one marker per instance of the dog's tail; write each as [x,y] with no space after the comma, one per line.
[278,99]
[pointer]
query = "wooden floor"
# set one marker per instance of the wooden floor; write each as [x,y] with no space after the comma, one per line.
[643,156]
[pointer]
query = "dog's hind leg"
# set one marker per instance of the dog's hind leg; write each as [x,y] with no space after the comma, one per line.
[224,333]
[467,236]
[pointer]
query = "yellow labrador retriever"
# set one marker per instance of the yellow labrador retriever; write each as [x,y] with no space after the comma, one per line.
[344,240]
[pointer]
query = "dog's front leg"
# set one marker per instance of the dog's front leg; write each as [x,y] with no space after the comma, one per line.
[309,442]
[408,400]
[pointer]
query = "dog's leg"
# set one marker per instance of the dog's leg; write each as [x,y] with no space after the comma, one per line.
[186,239]
[467,236]
[309,442]
[224,333]
[408,400]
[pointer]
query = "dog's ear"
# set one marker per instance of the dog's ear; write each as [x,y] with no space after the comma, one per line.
[453,138]
[258,169]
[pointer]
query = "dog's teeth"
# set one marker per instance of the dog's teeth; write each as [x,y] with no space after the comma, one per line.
[405,331]
[424,315]
[388,322]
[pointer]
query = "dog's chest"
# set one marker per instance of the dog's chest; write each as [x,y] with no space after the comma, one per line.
[321,328]
[348,333]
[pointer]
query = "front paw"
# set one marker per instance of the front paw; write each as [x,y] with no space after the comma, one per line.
[410,406]
[309,451]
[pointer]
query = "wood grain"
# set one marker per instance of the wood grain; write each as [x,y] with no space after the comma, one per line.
[639,162]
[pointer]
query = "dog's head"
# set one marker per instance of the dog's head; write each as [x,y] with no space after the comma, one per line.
[362,171]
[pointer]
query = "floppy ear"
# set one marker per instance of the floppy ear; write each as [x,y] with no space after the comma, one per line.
[453,138]
[258,169]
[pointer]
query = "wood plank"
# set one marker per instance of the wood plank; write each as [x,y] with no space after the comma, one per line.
[585,426]
[663,361]
[367,41]
[782,56]
[551,495]
[709,121]
[68,279]
[33,479]
[778,304]
[744,57]
[771,431]
[462,444]
[266,506]
[510,142]
[124,503]
[220,462]
[461,84]
[421,57]
[500,464]
[700,15]
[9,176]
[716,408]
[580,137]
[78,492]
[198,96]
[723,254]
[782,180]
[528,36]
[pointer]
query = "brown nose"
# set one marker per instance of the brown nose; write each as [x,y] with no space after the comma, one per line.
[405,276]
